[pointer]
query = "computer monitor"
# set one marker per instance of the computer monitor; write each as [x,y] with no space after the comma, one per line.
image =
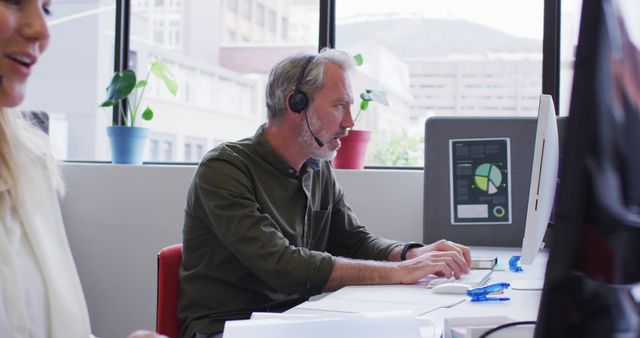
[544,176]
[542,188]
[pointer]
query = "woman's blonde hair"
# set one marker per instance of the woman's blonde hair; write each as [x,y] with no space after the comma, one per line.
[27,163]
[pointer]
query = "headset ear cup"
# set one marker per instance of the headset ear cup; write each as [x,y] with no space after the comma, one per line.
[298,101]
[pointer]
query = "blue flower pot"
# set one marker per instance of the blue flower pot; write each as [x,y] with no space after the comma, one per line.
[127,144]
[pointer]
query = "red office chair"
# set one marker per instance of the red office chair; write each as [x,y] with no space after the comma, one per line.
[169,260]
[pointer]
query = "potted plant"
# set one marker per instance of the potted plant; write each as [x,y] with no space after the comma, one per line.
[352,152]
[128,140]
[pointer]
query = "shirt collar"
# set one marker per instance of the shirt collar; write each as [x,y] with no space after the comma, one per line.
[313,163]
[269,154]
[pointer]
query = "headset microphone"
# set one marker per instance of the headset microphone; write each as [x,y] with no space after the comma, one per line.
[315,138]
[298,101]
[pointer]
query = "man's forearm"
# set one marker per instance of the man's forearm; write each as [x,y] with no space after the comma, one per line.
[394,255]
[361,272]
[443,258]
[365,272]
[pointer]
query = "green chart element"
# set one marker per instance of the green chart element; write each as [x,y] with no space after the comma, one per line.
[488,178]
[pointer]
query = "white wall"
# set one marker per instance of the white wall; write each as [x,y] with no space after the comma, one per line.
[119,217]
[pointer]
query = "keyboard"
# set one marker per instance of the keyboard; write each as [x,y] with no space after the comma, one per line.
[474,278]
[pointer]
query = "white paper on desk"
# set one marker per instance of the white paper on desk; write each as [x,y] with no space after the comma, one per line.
[279,315]
[354,306]
[409,294]
[371,325]
[370,298]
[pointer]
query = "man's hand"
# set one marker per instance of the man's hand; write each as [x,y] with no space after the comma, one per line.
[442,258]
[443,245]
[146,334]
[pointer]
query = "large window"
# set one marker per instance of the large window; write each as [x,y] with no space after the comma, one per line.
[219,50]
[71,76]
[432,58]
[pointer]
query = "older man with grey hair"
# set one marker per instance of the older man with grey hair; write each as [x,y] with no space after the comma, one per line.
[266,224]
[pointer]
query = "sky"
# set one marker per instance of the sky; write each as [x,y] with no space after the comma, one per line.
[522,18]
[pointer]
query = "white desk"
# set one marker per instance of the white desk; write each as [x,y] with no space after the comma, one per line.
[522,306]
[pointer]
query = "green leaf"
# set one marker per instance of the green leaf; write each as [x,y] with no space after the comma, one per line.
[147,115]
[122,84]
[106,104]
[378,96]
[161,70]
[141,84]
[359,59]
[364,104]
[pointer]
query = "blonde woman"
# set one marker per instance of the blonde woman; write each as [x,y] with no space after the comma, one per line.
[40,292]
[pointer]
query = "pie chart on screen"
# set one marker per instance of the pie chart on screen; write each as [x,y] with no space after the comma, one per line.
[488,178]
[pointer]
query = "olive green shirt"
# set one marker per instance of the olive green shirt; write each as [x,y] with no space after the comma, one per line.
[259,236]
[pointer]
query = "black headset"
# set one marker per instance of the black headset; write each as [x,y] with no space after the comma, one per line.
[298,101]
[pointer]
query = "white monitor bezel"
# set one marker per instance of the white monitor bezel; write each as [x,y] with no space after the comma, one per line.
[544,173]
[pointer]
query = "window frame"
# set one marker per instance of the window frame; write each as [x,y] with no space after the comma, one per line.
[327,28]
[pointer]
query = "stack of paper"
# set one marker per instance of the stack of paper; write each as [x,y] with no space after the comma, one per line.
[371,325]
[372,298]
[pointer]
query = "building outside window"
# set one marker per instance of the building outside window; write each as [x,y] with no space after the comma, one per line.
[458,59]
[194,149]
[161,148]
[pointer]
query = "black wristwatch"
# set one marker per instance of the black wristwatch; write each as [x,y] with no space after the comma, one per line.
[405,249]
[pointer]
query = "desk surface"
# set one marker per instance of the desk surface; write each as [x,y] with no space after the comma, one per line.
[522,306]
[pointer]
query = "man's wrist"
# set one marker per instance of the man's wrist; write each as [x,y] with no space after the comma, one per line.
[407,247]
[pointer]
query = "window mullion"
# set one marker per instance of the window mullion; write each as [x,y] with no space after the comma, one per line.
[327,24]
[551,51]
[121,50]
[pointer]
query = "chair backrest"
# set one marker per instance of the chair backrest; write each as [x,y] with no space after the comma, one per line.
[169,260]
